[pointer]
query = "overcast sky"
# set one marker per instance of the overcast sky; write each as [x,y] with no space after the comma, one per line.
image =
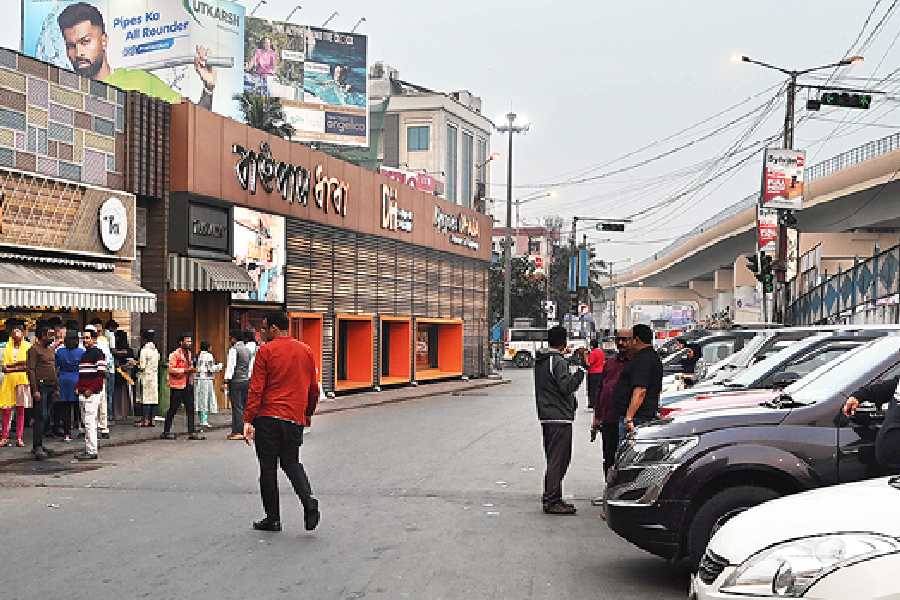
[598,80]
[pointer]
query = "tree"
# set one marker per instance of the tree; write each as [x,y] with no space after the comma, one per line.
[526,291]
[264,113]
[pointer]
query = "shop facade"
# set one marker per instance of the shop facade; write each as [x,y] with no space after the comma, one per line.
[386,284]
[69,232]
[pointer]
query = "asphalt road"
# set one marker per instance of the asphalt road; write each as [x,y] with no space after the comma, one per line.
[429,499]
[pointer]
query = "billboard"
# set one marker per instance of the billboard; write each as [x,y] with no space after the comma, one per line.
[783,178]
[320,76]
[259,247]
[169,49]
[767,229]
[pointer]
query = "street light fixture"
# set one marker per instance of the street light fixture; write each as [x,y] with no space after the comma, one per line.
[329,19]
[358,23]
[291,14]
[256,8]
[511,127]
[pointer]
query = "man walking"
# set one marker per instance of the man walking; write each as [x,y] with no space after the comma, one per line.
[605,420]
[181,388]
[40,364]
[91,377]
[284,391]
[636,396]
[596,359]
[237,380]
[555,384]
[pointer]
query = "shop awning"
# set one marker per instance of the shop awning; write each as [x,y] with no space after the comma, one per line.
[199,275]
[32,286]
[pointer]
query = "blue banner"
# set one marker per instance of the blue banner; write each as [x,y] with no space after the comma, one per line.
[583,269]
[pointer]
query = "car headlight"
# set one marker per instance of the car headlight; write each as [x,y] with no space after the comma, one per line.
[663,451]
[789,569]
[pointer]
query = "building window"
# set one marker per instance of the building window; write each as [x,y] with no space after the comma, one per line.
[467,167]
[418,138]
[480,161]
[534,246]
[452,161]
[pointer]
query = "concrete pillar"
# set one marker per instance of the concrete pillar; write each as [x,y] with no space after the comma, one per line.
[626,297]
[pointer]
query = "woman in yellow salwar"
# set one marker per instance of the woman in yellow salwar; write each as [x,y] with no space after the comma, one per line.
[14,391]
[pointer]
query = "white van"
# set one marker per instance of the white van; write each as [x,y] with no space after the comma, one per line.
[522,344]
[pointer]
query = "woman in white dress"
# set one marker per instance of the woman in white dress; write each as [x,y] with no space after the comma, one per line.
[148,365]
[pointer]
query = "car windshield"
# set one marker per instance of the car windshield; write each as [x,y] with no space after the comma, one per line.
[753,375]
[823,381]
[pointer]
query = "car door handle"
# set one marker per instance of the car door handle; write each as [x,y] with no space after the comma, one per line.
[843,452]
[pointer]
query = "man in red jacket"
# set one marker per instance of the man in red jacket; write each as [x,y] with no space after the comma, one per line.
[284,391]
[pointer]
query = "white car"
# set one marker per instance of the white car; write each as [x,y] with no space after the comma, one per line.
[834,543]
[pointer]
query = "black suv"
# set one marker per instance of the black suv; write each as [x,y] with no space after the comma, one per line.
[676,481]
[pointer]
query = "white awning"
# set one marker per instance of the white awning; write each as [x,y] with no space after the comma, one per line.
[32,286]
[198,275]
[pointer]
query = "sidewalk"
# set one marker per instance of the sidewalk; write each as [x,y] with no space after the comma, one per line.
[125,433]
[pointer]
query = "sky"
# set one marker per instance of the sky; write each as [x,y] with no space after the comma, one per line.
[601,80]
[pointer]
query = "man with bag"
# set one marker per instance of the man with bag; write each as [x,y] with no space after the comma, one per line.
[284,392]
[556,378]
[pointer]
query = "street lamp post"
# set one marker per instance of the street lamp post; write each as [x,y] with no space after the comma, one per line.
[510,128]
[784,215]
[291,14]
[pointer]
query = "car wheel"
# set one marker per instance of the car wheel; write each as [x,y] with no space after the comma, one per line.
[523,360]
[716,511]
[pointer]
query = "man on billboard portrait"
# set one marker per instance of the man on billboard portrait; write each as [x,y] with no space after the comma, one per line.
[84,32]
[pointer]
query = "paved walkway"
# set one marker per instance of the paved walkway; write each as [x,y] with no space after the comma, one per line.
[124,432]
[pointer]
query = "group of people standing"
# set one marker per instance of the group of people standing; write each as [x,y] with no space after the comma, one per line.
[623,392]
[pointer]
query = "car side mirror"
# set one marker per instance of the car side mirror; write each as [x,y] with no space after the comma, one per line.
[784,379]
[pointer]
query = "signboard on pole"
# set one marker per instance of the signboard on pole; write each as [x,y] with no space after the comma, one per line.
[766,229]
[783,178]
[792,259]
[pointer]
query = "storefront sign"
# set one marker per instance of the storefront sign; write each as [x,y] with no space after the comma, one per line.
[783,178]
[293,182]
[420,181]
[113,224]
[461,227]
[208,227]
[394,218]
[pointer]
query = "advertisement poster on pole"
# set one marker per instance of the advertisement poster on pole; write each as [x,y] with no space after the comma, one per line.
[783,178]
[767,229]
[169,49]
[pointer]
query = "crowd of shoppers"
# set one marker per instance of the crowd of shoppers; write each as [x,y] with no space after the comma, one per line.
[66,380]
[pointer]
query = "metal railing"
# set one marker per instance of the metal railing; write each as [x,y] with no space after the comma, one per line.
[856,295]
[842,161]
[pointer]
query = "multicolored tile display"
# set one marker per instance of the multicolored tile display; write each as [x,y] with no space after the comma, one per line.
[58,123]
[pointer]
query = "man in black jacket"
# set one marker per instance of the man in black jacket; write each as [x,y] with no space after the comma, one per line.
[556,379]
[887,441]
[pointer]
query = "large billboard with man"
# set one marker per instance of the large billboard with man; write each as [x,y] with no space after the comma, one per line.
[320,76]
[170,49]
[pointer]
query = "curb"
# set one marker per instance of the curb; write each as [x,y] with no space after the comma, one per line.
[325,407]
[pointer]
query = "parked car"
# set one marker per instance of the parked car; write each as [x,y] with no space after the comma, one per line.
[713,348]
[673,344]
[775,372]
[675,481]
[846,545]
[522,344]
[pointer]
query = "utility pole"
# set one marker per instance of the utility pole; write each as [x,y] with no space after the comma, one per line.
[784,215]
[510,128]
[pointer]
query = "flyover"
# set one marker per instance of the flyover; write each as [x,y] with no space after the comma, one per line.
[855,191]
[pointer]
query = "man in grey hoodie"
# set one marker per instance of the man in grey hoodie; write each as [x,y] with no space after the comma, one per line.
[556,378]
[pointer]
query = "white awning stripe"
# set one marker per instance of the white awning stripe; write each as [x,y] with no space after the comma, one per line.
[198,275]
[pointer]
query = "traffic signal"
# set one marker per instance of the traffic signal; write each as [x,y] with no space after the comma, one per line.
[753,265]
[767,273]
[612,226]
[846,100]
